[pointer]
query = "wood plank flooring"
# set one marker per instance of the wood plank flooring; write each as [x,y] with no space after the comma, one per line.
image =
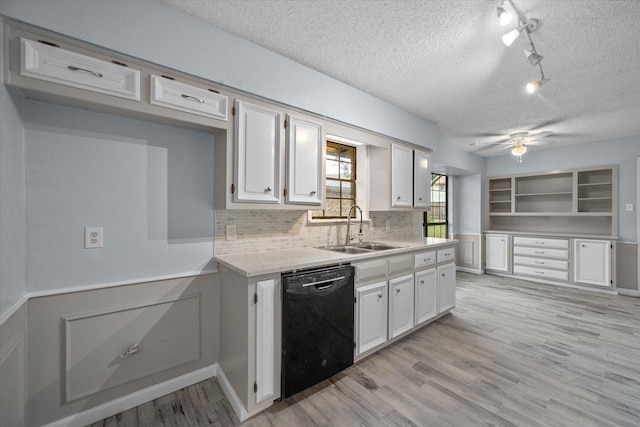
[512,353]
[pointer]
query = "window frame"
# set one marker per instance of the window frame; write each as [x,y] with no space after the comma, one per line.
[352,181]
[428,225]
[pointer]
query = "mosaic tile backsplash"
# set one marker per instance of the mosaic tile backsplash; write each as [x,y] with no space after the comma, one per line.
[261,230]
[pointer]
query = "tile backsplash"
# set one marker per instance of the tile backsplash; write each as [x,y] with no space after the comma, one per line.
[261,230]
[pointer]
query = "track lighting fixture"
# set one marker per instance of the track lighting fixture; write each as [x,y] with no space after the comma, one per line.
[503,15]
[526,26]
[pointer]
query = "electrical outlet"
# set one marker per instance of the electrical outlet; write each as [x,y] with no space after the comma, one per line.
[231,232]
[93,237]
[387,224]
[629,207]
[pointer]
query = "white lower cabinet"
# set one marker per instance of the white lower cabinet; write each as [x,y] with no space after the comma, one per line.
[426,306]
[401,305]
[371,316]
[446,287]
[497,252]
[592,264]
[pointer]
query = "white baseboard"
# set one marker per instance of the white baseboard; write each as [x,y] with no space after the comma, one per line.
[230,393]
[134,399]
[628,292]
[469,270]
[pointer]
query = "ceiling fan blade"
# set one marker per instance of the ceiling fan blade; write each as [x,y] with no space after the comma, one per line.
[539,142]
[540,135]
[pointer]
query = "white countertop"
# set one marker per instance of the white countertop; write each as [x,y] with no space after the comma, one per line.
[258,263]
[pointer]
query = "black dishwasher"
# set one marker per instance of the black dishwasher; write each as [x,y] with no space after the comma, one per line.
[317,326]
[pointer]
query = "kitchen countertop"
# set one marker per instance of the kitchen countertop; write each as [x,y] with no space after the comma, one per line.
[258,263]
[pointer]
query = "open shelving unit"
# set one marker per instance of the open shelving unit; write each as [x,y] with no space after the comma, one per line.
[576,201]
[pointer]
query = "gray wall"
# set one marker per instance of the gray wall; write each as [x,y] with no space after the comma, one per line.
[622,152]
[150,186]
[12,203]
[467,204]
[160,34]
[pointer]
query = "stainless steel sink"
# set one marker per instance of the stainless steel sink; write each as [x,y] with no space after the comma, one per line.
[360,248]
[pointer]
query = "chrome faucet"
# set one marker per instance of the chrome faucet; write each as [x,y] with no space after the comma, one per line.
[347,238]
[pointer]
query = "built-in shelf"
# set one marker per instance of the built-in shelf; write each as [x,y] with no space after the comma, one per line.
[577,201]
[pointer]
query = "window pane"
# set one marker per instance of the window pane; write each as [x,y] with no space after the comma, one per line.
[332,208]
[333,189]
[345,170]
[346,154]
[347,192]
[333,169]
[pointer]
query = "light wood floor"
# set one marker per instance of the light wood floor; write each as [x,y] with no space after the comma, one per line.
[512,353]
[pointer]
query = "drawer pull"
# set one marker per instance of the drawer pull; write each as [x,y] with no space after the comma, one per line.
[397,291]
[538,252]
[201,101]
[422,282]
[539,262]
[72,68]
[133,349]
[539,272]
[313,193]
[539,243]
[379,296]
[398,198]
[267,190]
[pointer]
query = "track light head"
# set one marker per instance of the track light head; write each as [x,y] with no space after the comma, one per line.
[533,57]
[533,86]
[503,15]
[512,35]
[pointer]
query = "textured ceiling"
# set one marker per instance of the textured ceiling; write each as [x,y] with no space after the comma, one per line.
[445,61]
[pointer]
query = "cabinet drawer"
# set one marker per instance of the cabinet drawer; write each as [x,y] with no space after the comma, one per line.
[448,254]
[541,262]
[371,270]
[400,264]
[423,259]
[541,272]
[541,252]
[190,99]
[541,242]
[56,65]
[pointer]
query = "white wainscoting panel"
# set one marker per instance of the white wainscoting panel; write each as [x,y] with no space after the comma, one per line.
[167,331]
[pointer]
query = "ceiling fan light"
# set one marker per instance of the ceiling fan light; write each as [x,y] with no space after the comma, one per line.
[503,15]
[511,36]
[533,57]
[519,150]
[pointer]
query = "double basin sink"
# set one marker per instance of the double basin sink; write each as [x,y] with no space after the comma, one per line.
[360,248]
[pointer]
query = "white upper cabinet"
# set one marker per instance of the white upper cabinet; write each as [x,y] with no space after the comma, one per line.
[401,176]
[497,252]
[188,98]
[305,158]
[421,179]
[257,153]
[592,262]
[53,64]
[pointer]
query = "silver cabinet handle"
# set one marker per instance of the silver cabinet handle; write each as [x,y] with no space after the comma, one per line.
[539,262]
[538,252]
[398,198]
[72,68]
[539,243]
[379,296]
[267,190]
[397,291]
[539,272]
[584,246]
[420,198]
[133,349]
[444,275]
[193,97]
[313,193]
[422,282]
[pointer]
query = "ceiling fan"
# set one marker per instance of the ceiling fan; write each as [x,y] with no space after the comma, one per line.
[517,142]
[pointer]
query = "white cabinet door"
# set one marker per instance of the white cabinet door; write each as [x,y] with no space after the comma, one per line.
[446,287]
[401,305]
[592,262]
[497,252]
[421,180]
[401,176]
[426,295]
[305,157]
[257,154]
[265,339]
[371,316]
